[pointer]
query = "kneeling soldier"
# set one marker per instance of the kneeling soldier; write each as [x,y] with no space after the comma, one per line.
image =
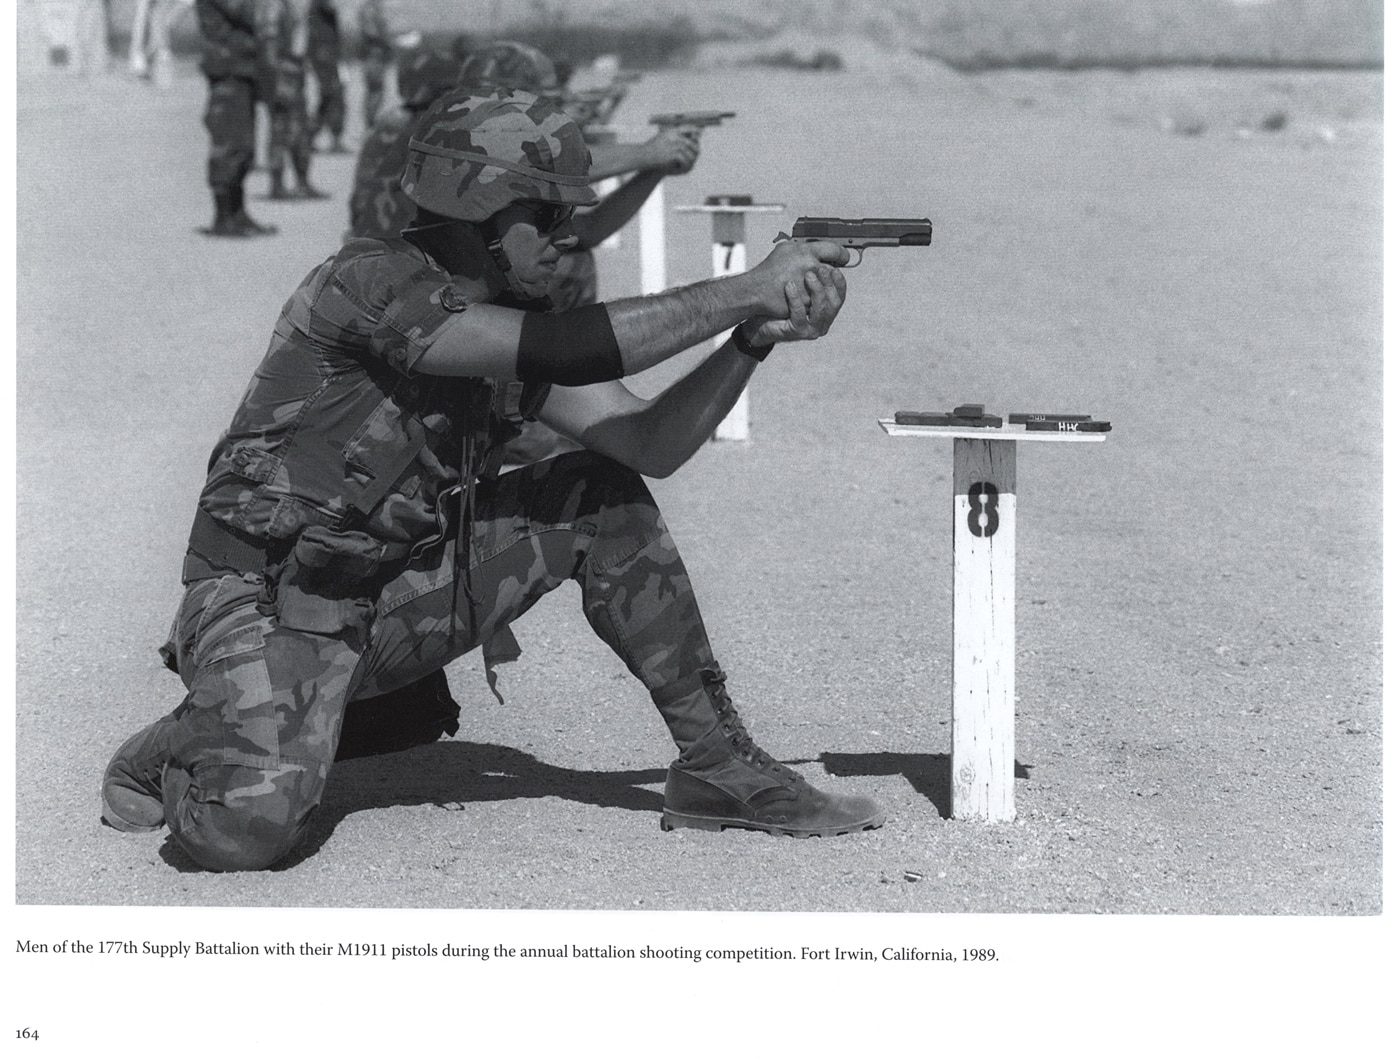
[352,535]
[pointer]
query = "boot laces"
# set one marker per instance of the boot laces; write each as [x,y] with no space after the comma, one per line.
[733,728]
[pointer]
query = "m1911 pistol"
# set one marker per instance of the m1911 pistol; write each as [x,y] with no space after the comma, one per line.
[858,233]
[696,118]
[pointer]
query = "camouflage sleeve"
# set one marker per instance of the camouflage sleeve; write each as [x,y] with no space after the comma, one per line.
[388,305]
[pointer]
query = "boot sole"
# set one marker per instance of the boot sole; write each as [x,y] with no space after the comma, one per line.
[671,821]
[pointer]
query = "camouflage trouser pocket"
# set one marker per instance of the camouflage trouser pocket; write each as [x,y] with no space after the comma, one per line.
[234,675]
[327,611]
[327,584]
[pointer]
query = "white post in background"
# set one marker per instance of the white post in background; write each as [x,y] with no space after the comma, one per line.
[651,221]
[604,188]
[728,257]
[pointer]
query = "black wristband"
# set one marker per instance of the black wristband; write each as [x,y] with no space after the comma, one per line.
[748,350]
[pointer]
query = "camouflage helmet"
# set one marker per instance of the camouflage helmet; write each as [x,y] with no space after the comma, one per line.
[476,151]
[510,64]
[426,73]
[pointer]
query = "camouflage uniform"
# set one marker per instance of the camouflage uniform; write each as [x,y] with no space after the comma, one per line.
[325,564]
[353,535]
[376,51]
[289,131]
[238,37]
[323,53]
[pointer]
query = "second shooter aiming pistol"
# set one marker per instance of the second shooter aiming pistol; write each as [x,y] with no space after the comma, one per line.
[859,233]
[693,118]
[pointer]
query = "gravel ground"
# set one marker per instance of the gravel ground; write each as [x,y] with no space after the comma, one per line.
[1199,630]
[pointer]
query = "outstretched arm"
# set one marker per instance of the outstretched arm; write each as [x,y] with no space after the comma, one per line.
[616,210]
[486,340]
[656,437]
[670,150]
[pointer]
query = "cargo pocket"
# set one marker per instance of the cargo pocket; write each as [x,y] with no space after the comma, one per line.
[235,676]
[327,584]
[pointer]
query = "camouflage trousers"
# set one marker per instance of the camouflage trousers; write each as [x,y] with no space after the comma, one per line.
[375,68]
[289,134]
[231,120]
[330,95]
[257,732]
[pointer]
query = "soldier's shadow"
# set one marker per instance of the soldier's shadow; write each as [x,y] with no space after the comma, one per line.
[450,774]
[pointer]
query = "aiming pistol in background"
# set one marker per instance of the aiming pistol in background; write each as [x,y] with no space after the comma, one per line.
[697,119]
[859,233]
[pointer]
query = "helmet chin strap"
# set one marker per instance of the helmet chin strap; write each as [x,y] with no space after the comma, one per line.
[502,260]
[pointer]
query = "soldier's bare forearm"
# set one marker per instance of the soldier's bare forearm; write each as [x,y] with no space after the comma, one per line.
[655,327]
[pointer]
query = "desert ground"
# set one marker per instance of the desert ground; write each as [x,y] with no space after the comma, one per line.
[1193,255]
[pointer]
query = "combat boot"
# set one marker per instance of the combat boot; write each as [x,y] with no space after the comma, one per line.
[277,189]
[241,218]
[304,189]
[723,779]
[131,792]
[226,222]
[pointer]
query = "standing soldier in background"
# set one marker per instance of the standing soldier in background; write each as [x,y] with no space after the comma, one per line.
[323,52]
[240,63]
[376,49]
[289,138]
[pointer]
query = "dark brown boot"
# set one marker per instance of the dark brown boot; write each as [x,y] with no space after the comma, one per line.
[225,221]
[724,780]
[249,226]
[131,791]
[277,188]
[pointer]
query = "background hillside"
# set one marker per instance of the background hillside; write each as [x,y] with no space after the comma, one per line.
[963,33]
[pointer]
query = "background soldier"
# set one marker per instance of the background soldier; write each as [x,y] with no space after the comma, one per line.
[318,573]
[323,53]
[289,132]
[379,209]
[240,63]
[376,52]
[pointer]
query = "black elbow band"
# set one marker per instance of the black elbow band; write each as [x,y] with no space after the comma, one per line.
[572,348]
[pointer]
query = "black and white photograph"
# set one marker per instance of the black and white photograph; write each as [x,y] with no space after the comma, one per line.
[532,518]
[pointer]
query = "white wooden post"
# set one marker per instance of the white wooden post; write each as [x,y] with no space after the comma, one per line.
[984,629]
[604,188]
[728,257]
[651,222]
[984,610]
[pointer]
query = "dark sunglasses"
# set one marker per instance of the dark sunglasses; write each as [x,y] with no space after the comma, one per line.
[549,216]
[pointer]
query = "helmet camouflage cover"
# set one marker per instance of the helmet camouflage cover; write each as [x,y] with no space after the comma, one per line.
[476,151]
[427,72]
[510,64]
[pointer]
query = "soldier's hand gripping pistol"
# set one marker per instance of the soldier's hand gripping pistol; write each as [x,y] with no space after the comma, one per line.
[859,233]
